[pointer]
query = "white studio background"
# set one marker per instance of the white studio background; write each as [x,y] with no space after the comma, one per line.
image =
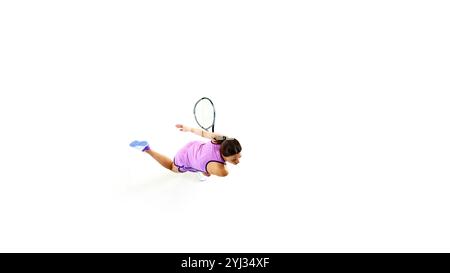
[342,109]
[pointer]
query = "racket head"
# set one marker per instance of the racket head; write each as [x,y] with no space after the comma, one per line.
[205,113]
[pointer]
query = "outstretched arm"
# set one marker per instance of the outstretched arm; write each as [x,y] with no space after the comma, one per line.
[200,132]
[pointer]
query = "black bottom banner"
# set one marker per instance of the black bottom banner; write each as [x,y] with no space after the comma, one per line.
[224,262]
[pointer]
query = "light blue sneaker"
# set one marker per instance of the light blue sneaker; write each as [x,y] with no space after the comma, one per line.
[140,145]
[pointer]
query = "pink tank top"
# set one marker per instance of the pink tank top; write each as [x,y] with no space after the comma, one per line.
[195,156]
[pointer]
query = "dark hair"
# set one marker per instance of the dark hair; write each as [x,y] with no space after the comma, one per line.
[230,147]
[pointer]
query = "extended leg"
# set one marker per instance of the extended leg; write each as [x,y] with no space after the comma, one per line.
[163,160]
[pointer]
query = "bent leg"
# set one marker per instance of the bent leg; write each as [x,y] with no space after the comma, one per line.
[163,160]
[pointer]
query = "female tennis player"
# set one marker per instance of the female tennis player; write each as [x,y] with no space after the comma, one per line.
[207,157]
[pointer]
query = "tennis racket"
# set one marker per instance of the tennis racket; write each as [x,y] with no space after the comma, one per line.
[205,114]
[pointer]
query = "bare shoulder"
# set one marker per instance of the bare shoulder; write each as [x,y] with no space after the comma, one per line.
[217,168]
